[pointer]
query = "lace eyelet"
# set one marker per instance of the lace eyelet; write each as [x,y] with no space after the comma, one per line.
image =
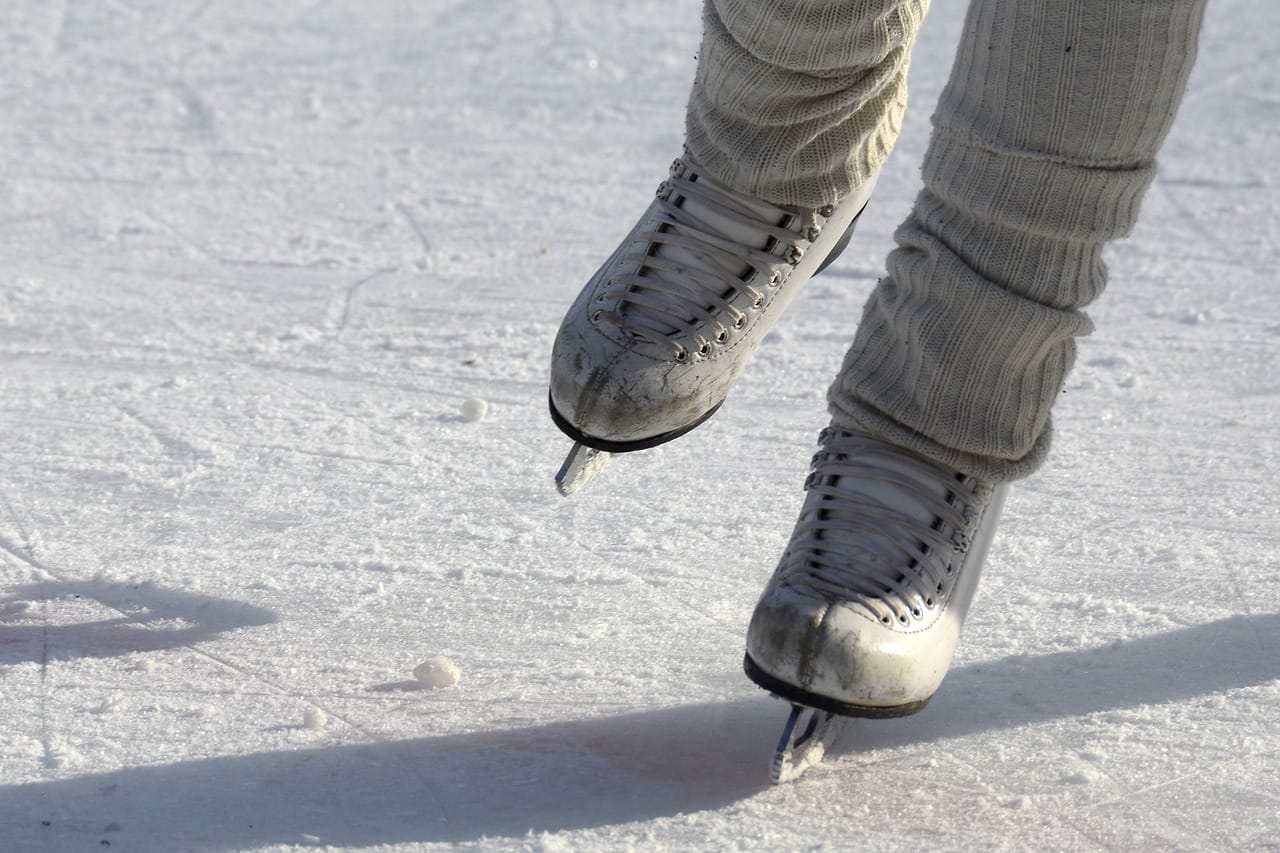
[775,279]
[682,355]
[826,210]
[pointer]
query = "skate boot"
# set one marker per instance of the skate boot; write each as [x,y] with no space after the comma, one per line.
[661,332]
[862,615]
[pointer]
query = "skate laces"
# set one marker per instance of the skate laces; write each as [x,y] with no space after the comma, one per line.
[712,257]
[884,529]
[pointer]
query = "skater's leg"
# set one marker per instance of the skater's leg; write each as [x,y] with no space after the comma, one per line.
[1044,142]
[800,102]
[795,106]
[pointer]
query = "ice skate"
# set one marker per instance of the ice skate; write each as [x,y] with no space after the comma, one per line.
[661,332]
[863,613]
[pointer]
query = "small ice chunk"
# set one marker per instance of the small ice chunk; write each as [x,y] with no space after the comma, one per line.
[475,410]
[437,672]
[1080,777]
[60,756]
[146,665]
[314,718]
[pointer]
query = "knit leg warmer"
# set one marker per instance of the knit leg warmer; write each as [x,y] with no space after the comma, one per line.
[799,101]
[1044,142]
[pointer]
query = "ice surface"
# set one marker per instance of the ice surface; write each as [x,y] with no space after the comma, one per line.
[257,259]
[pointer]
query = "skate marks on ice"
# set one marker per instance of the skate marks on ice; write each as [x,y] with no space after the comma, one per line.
[605,771]
[101,619]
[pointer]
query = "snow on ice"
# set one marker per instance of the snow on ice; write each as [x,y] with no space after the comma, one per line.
[314,718]
[475,410]
[437,672]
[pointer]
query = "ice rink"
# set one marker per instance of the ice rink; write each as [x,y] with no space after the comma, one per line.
[278,291]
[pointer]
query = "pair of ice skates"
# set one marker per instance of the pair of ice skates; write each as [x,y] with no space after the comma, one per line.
[862,615]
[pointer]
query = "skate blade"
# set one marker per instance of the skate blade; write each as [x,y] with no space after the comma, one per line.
[802,745]
[580,467]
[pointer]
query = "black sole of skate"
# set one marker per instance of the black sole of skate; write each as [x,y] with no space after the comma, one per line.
[797,696]
[622,446]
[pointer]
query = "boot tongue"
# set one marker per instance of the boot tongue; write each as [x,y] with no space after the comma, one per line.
[899,500]
[909,500]
[713,220]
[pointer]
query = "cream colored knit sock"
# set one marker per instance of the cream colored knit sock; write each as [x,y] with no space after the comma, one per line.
[1044,143]
[799,101]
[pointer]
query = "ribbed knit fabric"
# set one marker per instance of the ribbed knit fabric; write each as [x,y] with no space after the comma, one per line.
[1044,143]
[799,101]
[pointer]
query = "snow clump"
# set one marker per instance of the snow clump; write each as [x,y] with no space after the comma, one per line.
[437,672]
